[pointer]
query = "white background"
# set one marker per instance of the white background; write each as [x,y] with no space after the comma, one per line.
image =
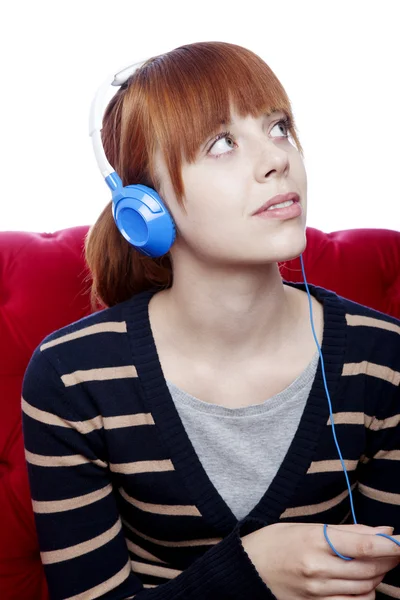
[337,59]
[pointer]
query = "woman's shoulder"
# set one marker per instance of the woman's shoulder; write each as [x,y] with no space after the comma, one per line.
[87,356]
[372,339]
[353,310]
[341,311]
[75,346]
[107,321]
[367,324]
[364,314]
[97,341]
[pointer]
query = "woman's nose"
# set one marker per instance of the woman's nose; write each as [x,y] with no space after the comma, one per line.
[271,160]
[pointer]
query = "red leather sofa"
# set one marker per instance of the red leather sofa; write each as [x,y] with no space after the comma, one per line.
[44,285]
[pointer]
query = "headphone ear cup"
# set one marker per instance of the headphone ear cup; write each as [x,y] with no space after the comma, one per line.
[143,219]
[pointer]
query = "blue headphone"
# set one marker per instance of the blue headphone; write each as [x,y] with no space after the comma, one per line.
[138,211]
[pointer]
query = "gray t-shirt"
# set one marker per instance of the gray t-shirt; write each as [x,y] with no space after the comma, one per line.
[241,449]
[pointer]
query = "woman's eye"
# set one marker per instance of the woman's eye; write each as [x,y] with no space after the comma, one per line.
[222,145]
[284,129]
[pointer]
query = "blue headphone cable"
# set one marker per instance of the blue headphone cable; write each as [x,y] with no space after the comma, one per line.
[333,427]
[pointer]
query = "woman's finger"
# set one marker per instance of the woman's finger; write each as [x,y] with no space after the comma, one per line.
[329,587]
[359,545]
[359,569]
[358,528]
[369,596]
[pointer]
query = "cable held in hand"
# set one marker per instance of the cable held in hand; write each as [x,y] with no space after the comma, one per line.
[348,557]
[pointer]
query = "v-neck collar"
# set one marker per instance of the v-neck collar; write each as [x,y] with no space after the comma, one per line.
[181,451]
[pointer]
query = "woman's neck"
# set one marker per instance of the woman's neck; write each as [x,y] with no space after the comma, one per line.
[226,312]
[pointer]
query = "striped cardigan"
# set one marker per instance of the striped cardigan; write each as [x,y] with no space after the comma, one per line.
[122,504]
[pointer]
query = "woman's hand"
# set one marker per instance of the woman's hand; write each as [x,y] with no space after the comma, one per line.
[295,561]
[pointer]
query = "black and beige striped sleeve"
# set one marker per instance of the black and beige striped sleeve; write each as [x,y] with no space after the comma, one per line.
[378,498]
[83,547]
[378,378]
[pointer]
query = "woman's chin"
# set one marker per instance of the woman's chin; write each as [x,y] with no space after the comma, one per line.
[292,251]
[281,248]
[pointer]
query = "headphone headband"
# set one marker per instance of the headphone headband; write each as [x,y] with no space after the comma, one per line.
[97,112]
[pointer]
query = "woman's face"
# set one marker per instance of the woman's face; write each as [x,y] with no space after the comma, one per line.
[235,173]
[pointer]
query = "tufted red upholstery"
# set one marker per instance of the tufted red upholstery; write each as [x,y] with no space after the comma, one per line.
[43,286]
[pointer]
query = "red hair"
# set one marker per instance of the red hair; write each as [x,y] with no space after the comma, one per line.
[174,102]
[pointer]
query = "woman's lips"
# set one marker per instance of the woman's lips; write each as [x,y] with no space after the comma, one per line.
[268,210]
[278,200]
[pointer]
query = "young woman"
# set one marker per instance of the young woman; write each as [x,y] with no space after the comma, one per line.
[179,442]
